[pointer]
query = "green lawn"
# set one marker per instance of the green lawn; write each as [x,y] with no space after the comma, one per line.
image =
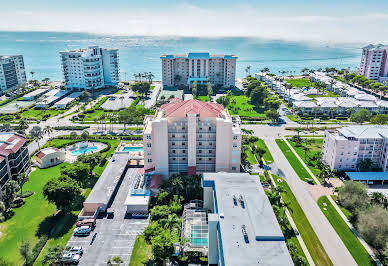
[204,98]
[307,233]
[39,113]
[28,218]
[294,118]
[251,157]
[313,147]
[294,162]
[267,156]
[350,240]
[152,87]
[299,83]
[242,107]
[142,252]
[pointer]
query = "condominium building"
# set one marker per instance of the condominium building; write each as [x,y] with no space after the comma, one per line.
[12,72]
[374,63]
[191,137]
[94,67]
[14,157]
[183,70]
[242,227]
[345,147]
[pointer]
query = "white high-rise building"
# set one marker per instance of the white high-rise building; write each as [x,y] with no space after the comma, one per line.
[374,63]
[89,68]
[191,137]
[12,72]
[183,70]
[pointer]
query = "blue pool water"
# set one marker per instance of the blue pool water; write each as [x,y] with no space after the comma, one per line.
[129,149]
[83,151]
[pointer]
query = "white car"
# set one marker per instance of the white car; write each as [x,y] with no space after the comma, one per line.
[70,258]
[76,250]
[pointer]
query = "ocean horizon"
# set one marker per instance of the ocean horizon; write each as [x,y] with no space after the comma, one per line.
[142,53]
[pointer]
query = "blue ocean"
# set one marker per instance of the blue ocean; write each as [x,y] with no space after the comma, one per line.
[142,53]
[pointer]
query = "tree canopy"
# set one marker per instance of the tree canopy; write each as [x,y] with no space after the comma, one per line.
[62,191]
[361,116]
[353,195]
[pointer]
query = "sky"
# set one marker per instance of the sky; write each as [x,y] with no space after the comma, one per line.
[329,21]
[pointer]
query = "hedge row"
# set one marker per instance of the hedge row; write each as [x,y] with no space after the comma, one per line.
[71,127]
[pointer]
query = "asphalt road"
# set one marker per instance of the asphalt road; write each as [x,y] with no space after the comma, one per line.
[331,242]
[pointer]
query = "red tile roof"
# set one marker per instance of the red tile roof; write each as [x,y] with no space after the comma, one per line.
[40,155]
[46,151]
[10,143]
[179,108]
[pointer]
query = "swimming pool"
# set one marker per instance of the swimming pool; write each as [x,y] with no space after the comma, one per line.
[83,151]
[130,149]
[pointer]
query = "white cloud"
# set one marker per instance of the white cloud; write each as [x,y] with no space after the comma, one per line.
[189,20]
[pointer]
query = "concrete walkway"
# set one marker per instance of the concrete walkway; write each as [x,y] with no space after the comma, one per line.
[331,242]
[354,230]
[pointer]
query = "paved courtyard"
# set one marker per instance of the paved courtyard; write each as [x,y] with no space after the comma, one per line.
[113,237]
[121,101]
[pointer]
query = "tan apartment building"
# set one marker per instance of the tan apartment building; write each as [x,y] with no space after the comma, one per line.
[191,137]
[183,70]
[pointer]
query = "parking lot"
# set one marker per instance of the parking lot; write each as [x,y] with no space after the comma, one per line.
[123,100]
[113,237]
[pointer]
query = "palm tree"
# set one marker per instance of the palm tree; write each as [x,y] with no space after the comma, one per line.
[177,183]
[122,100]
[22,178]
[377,198]
[172,222]
[47,130]
[150,77]
[37,134]
[23,125]
[32,75]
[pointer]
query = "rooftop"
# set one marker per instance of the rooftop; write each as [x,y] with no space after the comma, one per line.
[366,131]
[198,56]
[103,189]
[10,143]
[265,244]
[46,151]
[180,108]
[363,176]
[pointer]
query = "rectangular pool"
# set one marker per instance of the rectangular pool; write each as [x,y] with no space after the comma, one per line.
[130,149]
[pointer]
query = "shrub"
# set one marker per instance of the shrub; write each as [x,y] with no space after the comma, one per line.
[26,194]
[38,248]
[17,203]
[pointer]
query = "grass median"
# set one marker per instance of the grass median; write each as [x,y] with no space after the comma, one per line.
[350,240]
[142,252]
[267,155]
[294,162]
[307,233]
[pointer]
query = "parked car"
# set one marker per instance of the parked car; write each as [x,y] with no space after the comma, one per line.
[70,258]
[83,230]
[89,222]
[76,250]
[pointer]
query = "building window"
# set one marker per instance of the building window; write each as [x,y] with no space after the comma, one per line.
[183,143]
[173,135]
[200,143]
[233,168]
[183,151]
[210,128]
[183,159]
[149,153]
[173,151]
[210,151]
[148,137]
[210,159]
[150,160]
[173,144]
[235,137]
[200,151]
[234,145]
[148,145]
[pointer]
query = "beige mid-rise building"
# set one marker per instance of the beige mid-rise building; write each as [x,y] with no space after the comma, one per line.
[191,137]
[184,70]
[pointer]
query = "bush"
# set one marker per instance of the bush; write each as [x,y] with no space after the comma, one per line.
[26,194]
[38,248]
[17,203]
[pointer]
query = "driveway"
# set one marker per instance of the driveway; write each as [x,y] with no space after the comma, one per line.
[331,242]
[154,95]
[114,237]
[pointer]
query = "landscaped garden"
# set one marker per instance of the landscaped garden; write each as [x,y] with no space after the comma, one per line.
[307,233]
[278,206]
[38,220]
[350,240]
[299,82]
[267,156]
[309,150]
[294,162]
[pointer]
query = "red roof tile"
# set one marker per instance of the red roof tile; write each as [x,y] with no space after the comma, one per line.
[12,144]
[179,108]
[40,155]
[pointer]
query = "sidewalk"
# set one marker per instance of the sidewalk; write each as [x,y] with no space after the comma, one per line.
[354,230]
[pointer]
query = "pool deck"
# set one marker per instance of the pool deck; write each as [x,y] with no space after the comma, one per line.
[70,158]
